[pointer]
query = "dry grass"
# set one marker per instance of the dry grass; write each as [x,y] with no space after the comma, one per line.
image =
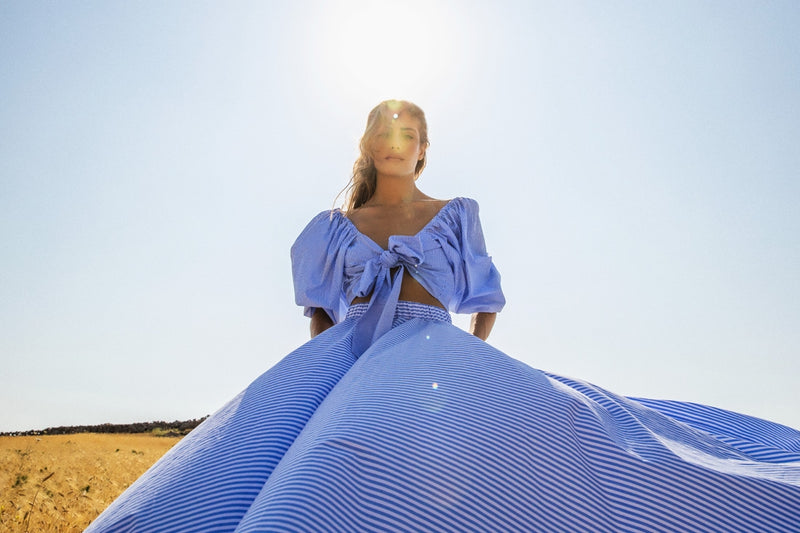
[62,482]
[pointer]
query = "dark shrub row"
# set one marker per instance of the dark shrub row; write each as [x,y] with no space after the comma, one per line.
[163,428]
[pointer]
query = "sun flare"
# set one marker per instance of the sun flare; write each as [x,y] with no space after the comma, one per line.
[382,49]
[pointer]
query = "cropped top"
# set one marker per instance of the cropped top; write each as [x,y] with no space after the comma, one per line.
[333,263]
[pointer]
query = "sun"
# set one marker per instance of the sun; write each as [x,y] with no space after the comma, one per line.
[390,49]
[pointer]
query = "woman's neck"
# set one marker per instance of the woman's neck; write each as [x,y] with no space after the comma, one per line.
[395,191]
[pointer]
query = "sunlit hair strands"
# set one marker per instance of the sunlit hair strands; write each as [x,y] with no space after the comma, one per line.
[362,184]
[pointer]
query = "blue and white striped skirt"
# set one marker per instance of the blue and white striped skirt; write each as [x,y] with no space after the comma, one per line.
[432,429]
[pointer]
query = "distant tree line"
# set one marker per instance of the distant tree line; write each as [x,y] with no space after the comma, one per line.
[161,428]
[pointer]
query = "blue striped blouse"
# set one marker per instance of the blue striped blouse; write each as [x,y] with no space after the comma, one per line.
[333,263]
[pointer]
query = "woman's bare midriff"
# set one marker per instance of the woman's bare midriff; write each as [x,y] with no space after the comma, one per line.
[410,291]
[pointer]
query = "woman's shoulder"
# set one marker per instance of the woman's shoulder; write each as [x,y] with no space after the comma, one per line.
[326,227]
[464,202]
[459,208]
[329,218]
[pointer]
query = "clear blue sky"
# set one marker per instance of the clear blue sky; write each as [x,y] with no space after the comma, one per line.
[636,163]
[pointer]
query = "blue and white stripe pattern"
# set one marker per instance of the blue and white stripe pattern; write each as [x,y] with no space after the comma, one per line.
[432,429]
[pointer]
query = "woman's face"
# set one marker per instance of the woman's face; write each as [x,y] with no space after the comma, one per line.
[396,147]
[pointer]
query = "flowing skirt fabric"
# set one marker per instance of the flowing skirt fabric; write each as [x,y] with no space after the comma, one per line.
[432,429]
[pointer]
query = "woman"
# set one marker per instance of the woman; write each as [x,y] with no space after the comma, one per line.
[384,203]
[391,419]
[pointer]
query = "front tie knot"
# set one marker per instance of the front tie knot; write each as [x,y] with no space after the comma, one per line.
[402,252]
[377,277]
[389,259]
[404,249]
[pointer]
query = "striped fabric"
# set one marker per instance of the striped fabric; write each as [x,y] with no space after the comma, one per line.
[405,311]
[432,429]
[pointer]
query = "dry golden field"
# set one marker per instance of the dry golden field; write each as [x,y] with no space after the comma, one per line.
[62,482]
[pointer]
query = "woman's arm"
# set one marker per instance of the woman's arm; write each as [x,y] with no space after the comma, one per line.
[481,324]
[320,321]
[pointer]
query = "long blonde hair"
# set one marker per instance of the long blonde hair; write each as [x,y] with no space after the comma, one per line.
[362,183]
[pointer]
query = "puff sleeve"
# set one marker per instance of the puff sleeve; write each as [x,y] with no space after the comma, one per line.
[477,281]
[318,257]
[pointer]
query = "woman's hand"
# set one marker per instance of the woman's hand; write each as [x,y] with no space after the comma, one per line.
[481,324]
[320,321]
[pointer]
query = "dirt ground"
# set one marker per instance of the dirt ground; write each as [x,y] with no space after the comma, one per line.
[61,483]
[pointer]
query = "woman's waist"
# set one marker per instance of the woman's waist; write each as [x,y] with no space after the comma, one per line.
[405,310]
[411,290]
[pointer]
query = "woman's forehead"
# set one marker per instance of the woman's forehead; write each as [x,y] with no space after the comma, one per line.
[399,120]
